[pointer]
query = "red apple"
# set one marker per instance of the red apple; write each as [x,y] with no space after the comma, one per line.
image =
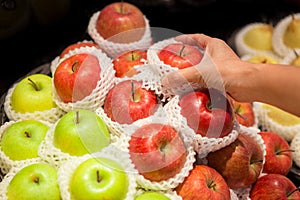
[180,55]
[76,77]
[121,17]
[128,101]
[208,112]
[157,151]
[278,158]
[77,45]
[240,163]
[274,187]
[124,63]
[203,182]
[244,112]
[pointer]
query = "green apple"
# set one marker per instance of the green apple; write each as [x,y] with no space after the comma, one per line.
[34,182]
[21,139]
[99,178]
[80,132]
[150,195]
[33,93]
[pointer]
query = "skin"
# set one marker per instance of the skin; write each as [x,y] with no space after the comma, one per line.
[244,81]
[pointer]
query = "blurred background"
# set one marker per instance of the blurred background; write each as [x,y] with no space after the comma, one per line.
[34,32]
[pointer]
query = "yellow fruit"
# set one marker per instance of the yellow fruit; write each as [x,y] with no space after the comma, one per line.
[291,37]
[281,117]
[262,59]
[260,37]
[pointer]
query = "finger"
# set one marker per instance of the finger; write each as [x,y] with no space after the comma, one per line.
[200,40]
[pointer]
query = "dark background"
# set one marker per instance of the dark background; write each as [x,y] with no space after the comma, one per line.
[54,24]
[51,25]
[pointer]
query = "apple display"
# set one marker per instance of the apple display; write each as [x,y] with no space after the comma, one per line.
[150,195]
[21,139]
[240,163]
[80,132]
[203,182]
[127,102]
[125,62]
[34,181]
[99,178]
[76,46]
[121,22]
[273,187]
[33,93]
[76,77]
[278,159]
[180,55]
[244,113]
[208,112]
[157,151]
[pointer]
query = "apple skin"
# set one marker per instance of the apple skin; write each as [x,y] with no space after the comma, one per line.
[180,55]
[121,107]
[124,63]
[87,135]
[208,112]
[240,163]
[99,178]
[244,113]
[150,195]
[278,158]
[76,46]
[157,151]
[76,77]
[34,182]
[121,17]
[203,182]
[25,137]
[28,98]
[273,187]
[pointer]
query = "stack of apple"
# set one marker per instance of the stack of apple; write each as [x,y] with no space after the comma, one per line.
[120,135]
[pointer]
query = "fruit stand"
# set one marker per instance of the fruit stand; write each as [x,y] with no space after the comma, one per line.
[120,113]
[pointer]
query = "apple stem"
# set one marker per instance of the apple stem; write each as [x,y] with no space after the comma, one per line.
[35,86]
[98,176]
[27,134]
[285,150]
[77,117]
[212,185]
[132,55]
[75,65]
[295,52]
[35,179]
[237,112]
[132,90]
[181,50]
[289,194]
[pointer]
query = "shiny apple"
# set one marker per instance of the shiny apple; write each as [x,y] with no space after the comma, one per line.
[208,112]
[273,187]
[180,55]
[240,163]
[278,153]
[128,102]
[157,151]
[76,77]
[203,182]
[244,113]
[121,22]
[124,63]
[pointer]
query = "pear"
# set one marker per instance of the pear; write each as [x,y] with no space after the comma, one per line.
[296,60]
[254,38]
[291,37]
[261,58]
[260,37]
